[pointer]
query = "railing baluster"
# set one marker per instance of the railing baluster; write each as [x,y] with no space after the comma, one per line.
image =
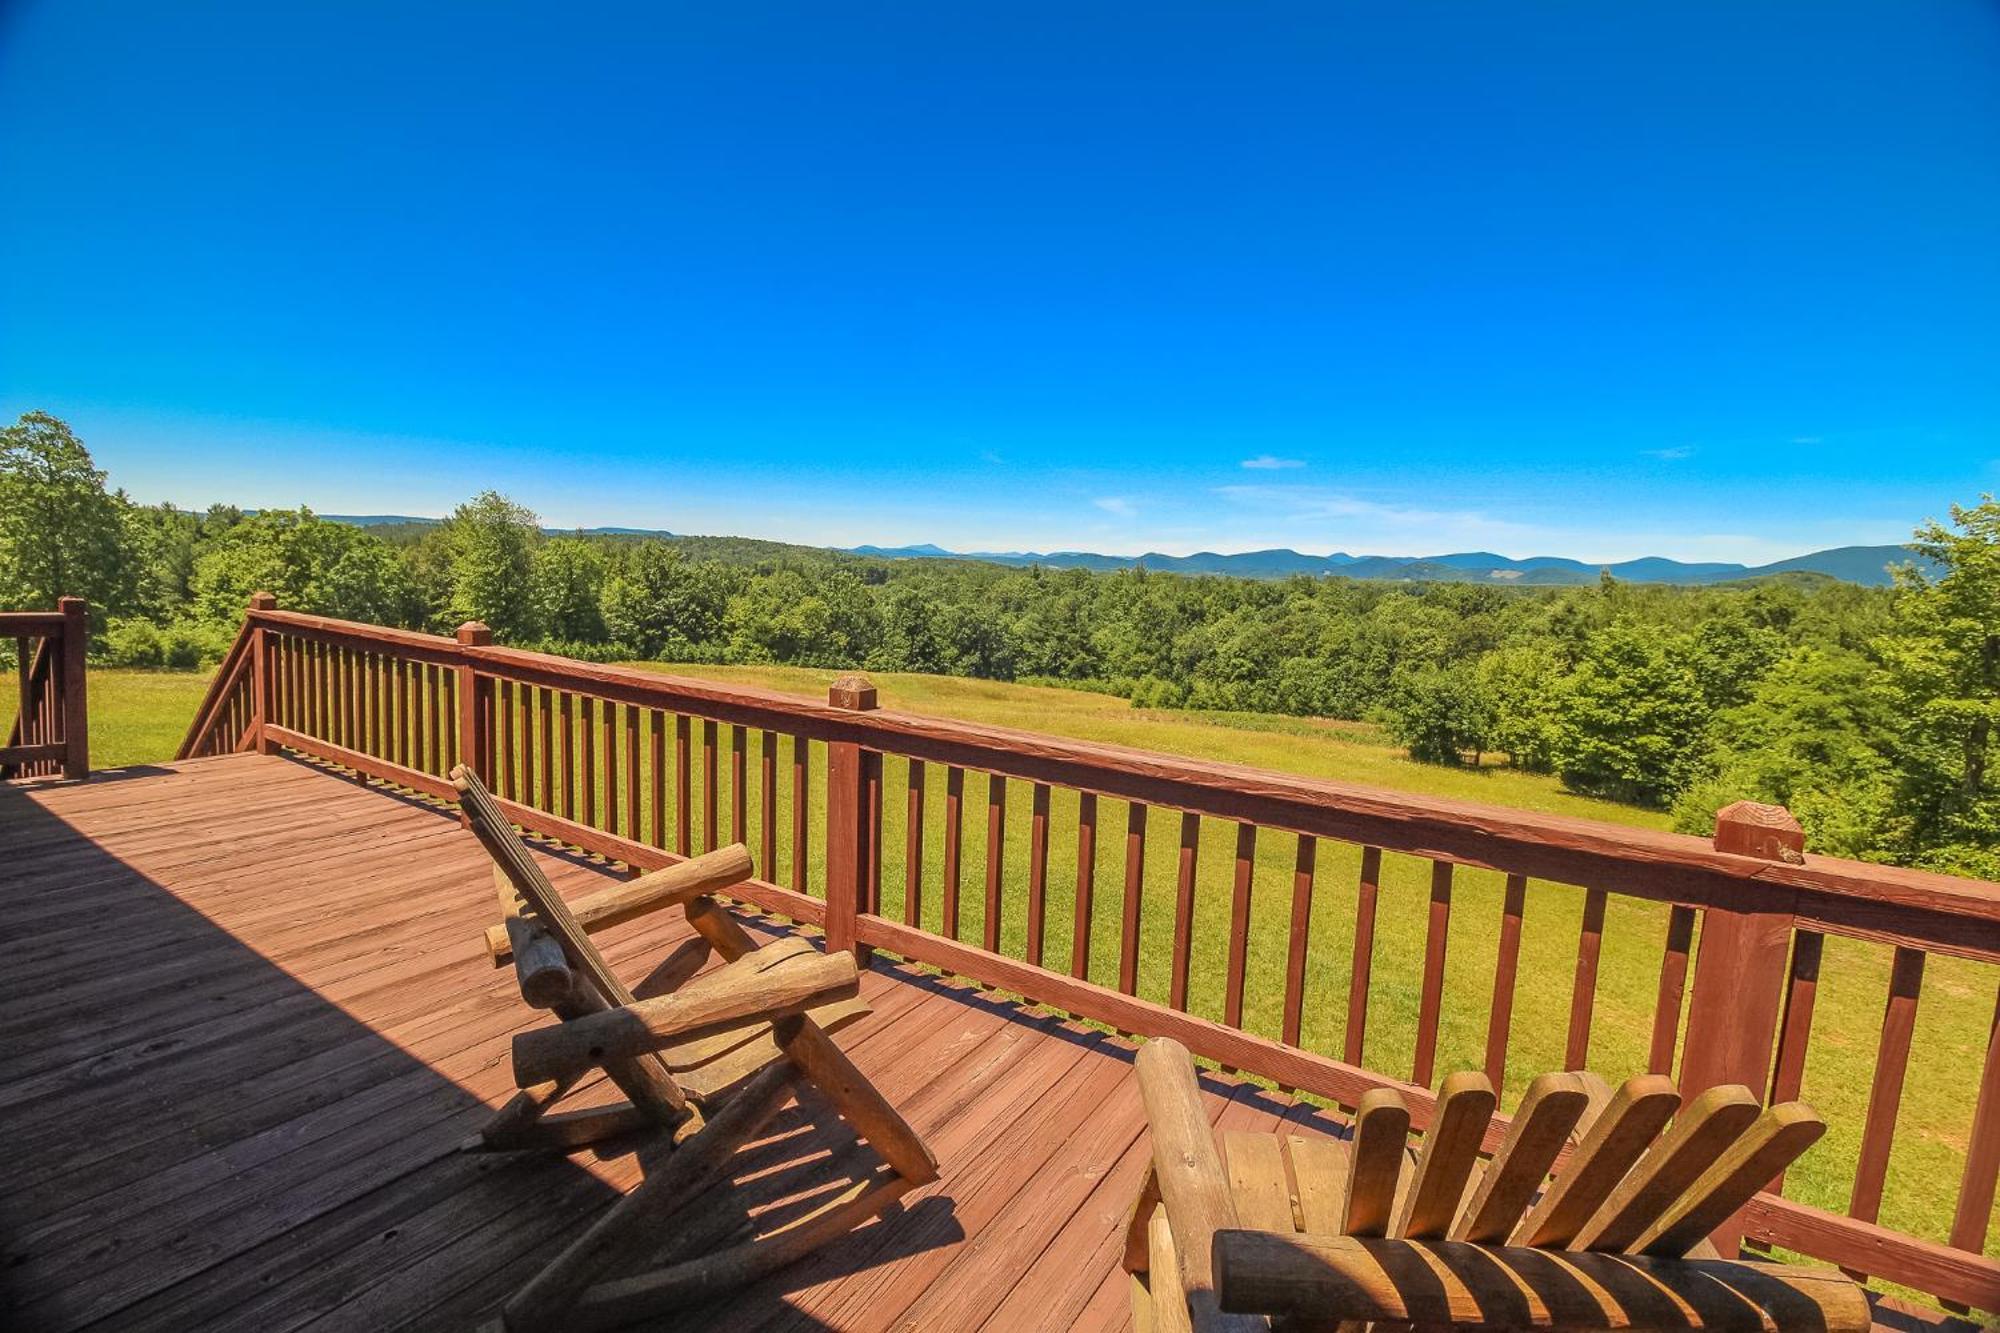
[1184,877]
[1135,887]
[634,793]
[545,727]
[767,800]
[568,755]
[656,748]
[587,725]
[434,688]
[1299,938]
[608,711]
[1500,1018]
[801,807]
[1885,1095]
[1038,872]
[530,795]
[1673,988]
[371,688]
[1370,889]
[448,726]
[1239,923]
[1086,883]
[504,702]
[1583,990]
[913,848]
[710,789]
[684,789]
[1431,1006]
[350,695]
[1982,1158]
[739,790]
[996,850]
[954,824]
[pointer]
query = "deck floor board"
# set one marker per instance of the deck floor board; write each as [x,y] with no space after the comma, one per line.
[251,1021]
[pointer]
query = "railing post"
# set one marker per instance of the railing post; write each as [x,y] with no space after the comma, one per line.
[76,710]
[852,774]
[471,712]
[1739,974]
[263,682]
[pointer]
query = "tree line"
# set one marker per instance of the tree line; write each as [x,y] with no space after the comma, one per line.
[1873,713]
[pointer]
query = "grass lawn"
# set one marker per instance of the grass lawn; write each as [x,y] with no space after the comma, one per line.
[137,717]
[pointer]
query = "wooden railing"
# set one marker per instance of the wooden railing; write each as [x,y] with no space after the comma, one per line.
[580,753]
[51,730]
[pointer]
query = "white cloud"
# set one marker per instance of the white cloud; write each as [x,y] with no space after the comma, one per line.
[1117,504]
[1271,463]
[1672,455]
[1808,439]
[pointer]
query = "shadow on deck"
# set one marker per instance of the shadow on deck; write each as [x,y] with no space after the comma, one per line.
[247,1021]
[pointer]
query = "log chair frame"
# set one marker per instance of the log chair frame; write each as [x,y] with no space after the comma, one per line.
[1299,1232]
[741,1038]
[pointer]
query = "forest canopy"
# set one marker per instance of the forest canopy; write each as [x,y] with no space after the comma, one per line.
[1873,713]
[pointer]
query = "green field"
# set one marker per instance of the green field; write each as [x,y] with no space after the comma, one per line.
[138,717]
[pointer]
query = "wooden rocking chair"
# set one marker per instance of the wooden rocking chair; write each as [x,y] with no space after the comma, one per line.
[1318,1233]
[709,1059]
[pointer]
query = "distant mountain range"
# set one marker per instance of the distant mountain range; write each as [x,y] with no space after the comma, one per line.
[1865,565]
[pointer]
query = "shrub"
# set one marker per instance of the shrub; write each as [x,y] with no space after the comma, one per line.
[133,643]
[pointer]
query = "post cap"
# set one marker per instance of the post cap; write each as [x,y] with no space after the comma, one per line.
[475,633]
[263,601]
[68,603]
[851,691]
[1765,831]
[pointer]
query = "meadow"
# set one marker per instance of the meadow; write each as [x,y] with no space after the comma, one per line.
[137,717]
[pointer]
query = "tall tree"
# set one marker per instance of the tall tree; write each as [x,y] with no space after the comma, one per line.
[569,586]
[490,544]
[61,532]
[1943,660]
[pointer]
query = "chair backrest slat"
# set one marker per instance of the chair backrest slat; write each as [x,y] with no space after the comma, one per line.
[1451,1149]
[1638,1111]
[1540,1128]
[1708,1125]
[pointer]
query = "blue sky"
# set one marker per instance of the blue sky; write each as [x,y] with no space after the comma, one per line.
[1711,281]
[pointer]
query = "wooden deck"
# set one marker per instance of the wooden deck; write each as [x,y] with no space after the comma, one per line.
[248,1022]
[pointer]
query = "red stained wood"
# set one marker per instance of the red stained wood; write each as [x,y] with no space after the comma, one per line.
[568,755]
[996,852]
[1038,873]
[913,847]
[684,789]
[801,804]
[1500,1017]
[545,746]
[711,790]
[1364,954]
[1134,899]
[656,773]
[608,712]
[767,803]
[1086,882]
[1583,987]
[954,824]
[1299,938]
[1982,1159]
[1885,1094]
[1239,924]
[587,735]
[1431,1006]
[634,788]
[1184,877]
[1673,986]
[1795,1028]
[739,785]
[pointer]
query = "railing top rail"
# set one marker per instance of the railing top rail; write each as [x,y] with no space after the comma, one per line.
[1857,897]
[31,622]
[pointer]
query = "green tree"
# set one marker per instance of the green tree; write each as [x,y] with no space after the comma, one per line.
[1943,661]
[1440,713]
[308,564]
[489,547]
[1815,735]
[665,605]
[1525,683]
[61,533]
[1631,724]
[569,589]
